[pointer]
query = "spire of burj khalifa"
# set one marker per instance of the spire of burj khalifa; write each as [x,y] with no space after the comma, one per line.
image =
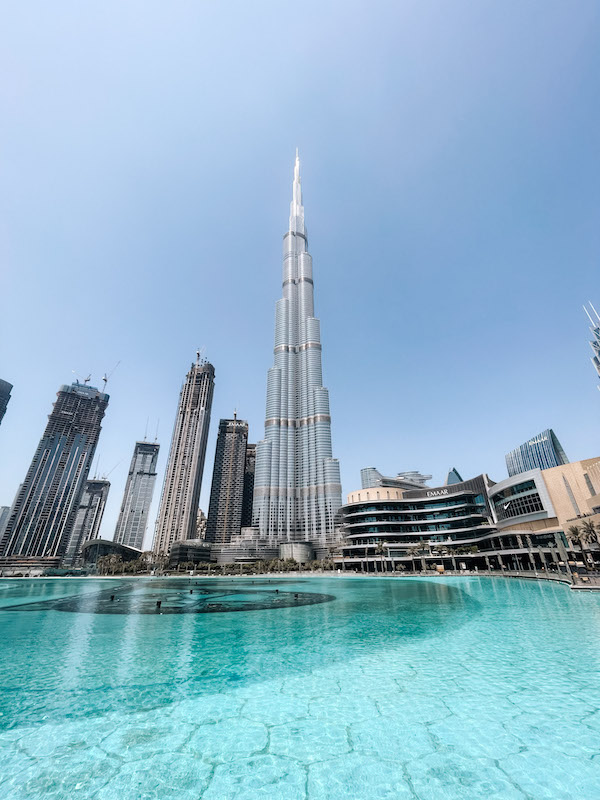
[297,489]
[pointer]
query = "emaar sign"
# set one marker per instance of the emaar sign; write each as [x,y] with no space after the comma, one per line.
[438,493]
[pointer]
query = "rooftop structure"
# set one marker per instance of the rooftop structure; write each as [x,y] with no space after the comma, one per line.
[371,477]
[453,477]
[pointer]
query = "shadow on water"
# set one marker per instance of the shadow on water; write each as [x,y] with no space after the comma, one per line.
[127,654]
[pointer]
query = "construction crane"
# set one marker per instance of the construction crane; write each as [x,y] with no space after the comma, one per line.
[78,378]
[106,376]
[106,474]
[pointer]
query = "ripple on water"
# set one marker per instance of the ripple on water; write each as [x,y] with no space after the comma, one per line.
[445,689]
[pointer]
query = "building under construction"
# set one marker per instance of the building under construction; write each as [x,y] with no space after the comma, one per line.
[43,514]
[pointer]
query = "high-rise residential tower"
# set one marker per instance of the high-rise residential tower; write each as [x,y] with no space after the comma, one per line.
[249,471]
[43,514]
[544,451]
[227,491]
[5,390]
[137,498]
[594,318]
[297,489]
[88,518]
[4,515]
[183,478]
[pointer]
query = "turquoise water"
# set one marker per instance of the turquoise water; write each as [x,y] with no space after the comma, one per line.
[314,689]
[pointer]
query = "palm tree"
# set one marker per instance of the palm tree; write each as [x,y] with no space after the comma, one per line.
[379,552]
[413,552]
[588,536]
[588,527]
[575,536]
[452,555]
[102,564]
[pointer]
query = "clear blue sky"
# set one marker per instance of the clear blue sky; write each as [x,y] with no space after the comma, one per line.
[451,179]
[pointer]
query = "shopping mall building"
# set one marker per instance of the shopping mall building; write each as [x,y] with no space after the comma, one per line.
[519,523]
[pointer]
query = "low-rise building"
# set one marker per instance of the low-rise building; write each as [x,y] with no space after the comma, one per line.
[520,523]
[189,551]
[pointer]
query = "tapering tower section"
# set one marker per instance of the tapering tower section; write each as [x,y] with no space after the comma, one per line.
[183,478]
[297,489]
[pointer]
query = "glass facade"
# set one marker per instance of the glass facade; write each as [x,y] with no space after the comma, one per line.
[594,318]
[227,491]
[542,452]
[43,514]
[88,518]
[516,500]
[297,489]
[5,390]
[178,510]
[460,516]
[137,498]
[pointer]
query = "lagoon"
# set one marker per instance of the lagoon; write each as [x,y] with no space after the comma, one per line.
[316,688]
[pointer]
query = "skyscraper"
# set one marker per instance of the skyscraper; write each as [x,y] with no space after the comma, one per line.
[249,470]
[542,452]
[5,390]
[227,491]
[4,515]
[594,318]
[297,489]
[137,498]
[43,514]
[183,477]
[88,518]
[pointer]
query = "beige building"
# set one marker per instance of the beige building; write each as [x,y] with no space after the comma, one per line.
[548,500]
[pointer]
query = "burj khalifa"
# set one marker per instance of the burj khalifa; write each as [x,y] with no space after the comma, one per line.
[297,489]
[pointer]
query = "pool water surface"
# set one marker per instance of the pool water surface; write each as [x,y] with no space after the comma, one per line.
[299,689]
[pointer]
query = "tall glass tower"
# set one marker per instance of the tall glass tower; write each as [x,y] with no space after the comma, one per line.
[5,390]
[44,511]
[88,519]
[137,498]
[183,479]
[297,489]
[544,451]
